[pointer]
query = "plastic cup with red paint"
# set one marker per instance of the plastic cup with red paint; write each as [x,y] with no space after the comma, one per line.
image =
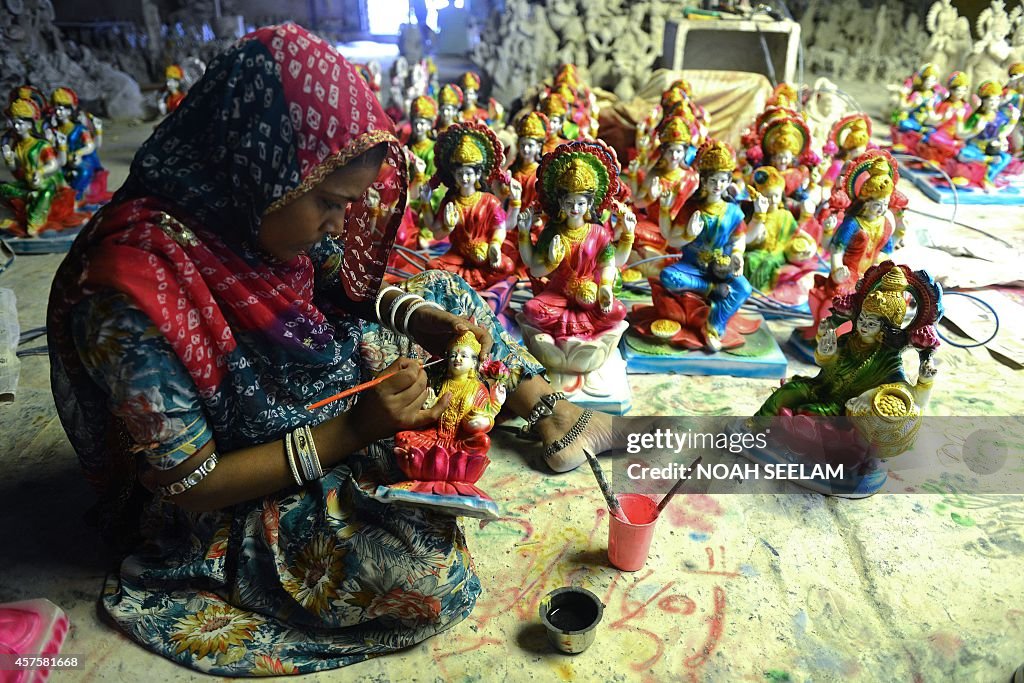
[629,542]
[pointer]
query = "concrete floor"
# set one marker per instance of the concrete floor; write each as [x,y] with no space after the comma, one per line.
[769,586]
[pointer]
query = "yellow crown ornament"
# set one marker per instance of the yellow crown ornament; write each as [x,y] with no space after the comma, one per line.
[675,132]
[65,97]
[888,300]
[532,126]
[554,105]
[784,136]
[450,95]
[928,71]
[958,79]
[578,178]
[423,107]
[470,81]
[174,71]
[879,183]
[715,157]
[467,340]
[467,153]
[989,89]
[24,109]
[857,135]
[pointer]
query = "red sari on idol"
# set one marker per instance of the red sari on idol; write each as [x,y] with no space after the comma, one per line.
[481,214]
[682,181]
[558,309]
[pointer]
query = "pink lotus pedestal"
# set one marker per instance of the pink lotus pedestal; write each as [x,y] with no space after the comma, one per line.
[591,372]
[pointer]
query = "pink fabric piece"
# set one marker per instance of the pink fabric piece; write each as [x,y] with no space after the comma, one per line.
[33,628]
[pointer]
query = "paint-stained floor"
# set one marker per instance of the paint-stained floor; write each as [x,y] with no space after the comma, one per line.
[743,587]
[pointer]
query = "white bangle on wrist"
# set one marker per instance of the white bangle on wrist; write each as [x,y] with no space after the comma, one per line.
[395,305]
[306,451]
[289,455]
[414,306]
[380,299]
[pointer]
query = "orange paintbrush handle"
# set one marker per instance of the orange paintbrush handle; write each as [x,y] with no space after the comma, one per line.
[359,387]
[348,392]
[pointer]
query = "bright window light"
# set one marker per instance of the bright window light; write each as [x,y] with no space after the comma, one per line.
[387,16]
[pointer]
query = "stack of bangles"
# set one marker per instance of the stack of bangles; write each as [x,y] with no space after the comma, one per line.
[300,451]
[414,302]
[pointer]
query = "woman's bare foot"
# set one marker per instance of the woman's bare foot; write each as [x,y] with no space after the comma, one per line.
[603,433]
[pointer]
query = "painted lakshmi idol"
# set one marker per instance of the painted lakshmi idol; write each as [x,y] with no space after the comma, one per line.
[574,320]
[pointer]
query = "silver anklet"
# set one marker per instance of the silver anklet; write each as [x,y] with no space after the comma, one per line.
[572,434]
[544,407]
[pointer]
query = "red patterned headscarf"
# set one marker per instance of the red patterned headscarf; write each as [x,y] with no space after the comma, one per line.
[270,119]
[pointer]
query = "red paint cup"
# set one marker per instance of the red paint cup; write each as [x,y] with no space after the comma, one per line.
[629,542]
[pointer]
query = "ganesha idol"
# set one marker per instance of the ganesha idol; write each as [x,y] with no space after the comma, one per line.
[444,462]
[574,322]
[469,159]
[861,407]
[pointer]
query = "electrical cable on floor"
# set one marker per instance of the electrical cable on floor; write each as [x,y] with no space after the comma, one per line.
[9,253]
[961,224]
[29,335]
[956,194]
[985,304]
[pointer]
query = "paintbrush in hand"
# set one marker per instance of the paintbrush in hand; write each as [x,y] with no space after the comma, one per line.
[606,490]
[361,387]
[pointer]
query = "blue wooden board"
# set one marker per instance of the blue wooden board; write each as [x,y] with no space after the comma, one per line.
[768,363]
[851,486]
[934,186]
[49,242]
[800,347]
[457,506]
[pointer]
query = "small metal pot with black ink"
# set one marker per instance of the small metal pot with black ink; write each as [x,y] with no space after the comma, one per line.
[571,616]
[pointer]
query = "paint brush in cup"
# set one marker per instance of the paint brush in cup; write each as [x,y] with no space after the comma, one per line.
[606,490]
[361,387]
[675,488]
